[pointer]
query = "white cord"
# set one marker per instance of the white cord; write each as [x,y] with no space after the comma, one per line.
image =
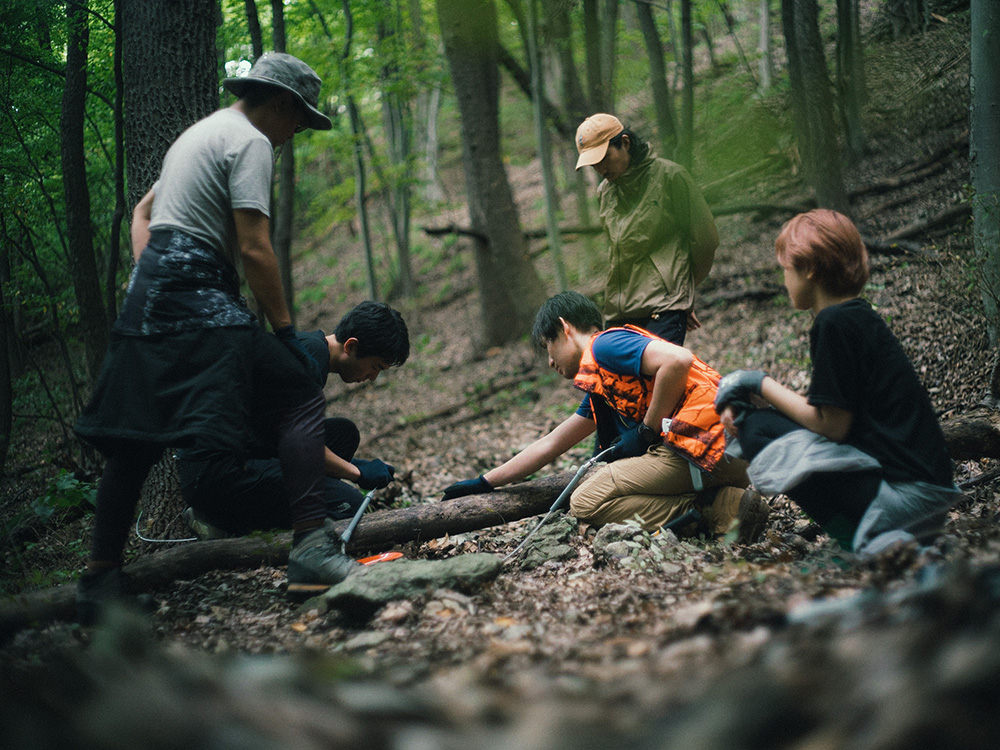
[159,541]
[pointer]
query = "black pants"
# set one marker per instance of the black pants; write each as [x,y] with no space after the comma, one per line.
[241,495]
[669,324]
[834,500]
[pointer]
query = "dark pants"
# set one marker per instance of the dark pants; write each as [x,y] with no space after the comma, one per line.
[669,324]
[215,410]
[834,500]
[241,495]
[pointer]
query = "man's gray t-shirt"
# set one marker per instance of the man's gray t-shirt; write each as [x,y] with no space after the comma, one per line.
[219,164]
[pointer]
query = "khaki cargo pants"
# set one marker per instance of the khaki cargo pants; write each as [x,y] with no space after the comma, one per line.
[657,487]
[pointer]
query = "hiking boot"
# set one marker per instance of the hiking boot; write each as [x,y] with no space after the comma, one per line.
[97,590]
[722,506]
[753,514]
[202,528]
[318,562]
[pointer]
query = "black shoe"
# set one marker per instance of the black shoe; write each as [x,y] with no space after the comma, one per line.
[97,590]
[318,562]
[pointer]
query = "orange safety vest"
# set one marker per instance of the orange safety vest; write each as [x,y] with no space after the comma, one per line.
[695,430]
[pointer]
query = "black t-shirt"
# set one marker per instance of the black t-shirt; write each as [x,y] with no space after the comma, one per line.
[860,366]
[315,344]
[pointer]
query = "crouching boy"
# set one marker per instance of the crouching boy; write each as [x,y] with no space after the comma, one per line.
[634,383]
[862,452]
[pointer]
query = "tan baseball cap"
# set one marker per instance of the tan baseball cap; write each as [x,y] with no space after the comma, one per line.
[592,138]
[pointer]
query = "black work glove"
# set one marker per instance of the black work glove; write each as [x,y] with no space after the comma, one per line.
[635,442]
[476,486]
[736,388]
[286,335]
[375,474]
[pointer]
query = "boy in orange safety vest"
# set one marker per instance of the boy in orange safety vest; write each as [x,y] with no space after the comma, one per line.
[652,400]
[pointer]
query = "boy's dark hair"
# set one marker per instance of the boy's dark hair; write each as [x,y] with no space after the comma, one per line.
[572,307]
[639,148]
[380,331]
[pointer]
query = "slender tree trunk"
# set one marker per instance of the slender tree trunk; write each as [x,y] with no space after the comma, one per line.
[253,27]
[118,217]
[765,66]
[663,102]
[397,121]
[284,205]
[685,150]
[509,288]
[608,39]
[357,129]
[6,384]
[559,33]
[82,262]
[851,88]
[596,82]
[544,146]
[812,100]
[984,155]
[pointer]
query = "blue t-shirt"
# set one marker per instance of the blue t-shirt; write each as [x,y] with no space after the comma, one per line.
[619,351]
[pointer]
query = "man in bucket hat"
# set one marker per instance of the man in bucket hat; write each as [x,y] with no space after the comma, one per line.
[188,363]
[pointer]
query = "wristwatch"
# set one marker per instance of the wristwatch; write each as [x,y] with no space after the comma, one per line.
[648,434]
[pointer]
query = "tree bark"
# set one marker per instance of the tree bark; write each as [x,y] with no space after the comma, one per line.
[397,121]
[509,287]
[765,67]
[812,103]
[284,204]
[162,98]
[984,155]
[82,262]
[377,531]
[663,103]
[685,149]
[851,89]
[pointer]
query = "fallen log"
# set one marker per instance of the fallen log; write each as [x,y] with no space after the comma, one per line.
[972,436]
[377,531]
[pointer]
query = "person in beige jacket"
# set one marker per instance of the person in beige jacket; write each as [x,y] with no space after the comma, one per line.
[661,233]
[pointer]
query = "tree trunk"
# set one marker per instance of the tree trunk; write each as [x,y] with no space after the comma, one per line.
[284,206]
[663,102]
[544,146]
[685,150]
[397,121]
[596,83]
[851,88]
[812,107]
[360,184]
[509,287]
[82,262]
[253,28]
[377,531]
[6,380]
[765,66]
[559,39]
[162,97]
[984,155]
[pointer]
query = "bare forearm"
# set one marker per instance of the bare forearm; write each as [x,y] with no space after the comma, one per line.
[264,280]
[141,216]
[542,452]
[338,468]
[828,421]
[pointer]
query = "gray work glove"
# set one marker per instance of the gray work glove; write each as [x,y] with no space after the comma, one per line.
[736,388]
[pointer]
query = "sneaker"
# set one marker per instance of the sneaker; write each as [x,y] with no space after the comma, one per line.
[318,562]
[202,528]
[98,590]
[753,515]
